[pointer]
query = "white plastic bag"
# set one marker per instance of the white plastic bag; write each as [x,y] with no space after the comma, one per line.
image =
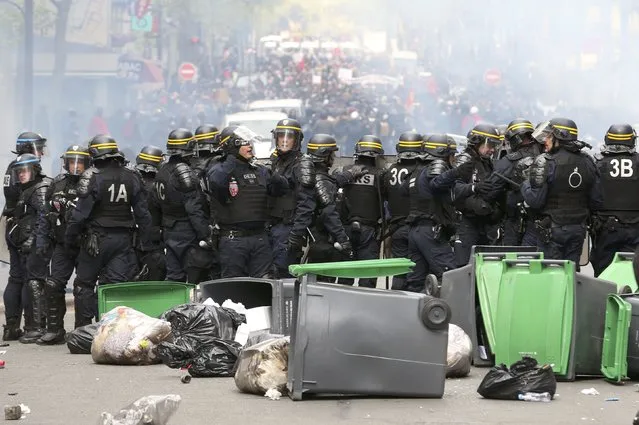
[153,409]
[263,367]
[128,337]
[460,349]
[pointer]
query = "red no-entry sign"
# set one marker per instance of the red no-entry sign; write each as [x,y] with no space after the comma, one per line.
[492,76]
[187,71]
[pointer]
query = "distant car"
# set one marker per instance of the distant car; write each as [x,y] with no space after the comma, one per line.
[262,123]
[293,107]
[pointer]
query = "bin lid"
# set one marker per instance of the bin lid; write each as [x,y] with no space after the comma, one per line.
[614,362]
[620,271]
[355,269]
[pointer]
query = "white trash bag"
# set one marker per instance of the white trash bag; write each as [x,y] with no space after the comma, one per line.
[262,368]
[460,349]
[153,409]
[128,337]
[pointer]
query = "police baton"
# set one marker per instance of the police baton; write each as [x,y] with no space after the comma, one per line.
[507,180]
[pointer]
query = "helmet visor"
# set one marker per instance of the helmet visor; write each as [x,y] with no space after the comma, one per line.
[75,162]
[245,136]
[542,131]
[24,173]
[285,140]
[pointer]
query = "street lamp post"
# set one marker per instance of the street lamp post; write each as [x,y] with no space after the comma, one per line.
[27,65]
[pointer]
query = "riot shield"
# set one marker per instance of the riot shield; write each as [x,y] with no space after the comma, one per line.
[4,248]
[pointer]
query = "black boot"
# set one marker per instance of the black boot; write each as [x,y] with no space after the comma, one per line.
[38,317]
[80,320]
[56,309]
[12,331]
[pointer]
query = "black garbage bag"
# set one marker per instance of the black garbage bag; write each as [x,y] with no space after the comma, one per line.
[203,340]
[79,340]
[524,376]
[199,322]
[217,358]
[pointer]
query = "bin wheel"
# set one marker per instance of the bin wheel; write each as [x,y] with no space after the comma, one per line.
[432,286]
[436,314]
[624,290]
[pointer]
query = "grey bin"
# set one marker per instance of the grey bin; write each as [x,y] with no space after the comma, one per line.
[459,291]
[361,341]
[254,292]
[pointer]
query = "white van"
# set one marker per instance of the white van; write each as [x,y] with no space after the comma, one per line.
[262,123]
[293,107]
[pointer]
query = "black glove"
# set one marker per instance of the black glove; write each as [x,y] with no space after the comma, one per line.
[347,248]
[93,245]
[482,189]
[295,242]
[155,235]
[465,171]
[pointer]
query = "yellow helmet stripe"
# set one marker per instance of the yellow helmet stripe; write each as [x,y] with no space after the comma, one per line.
[620,136]
[492,136]
[520,125]
[206,135]
[148,157]
[409,143]
[105,146]
[571,130]
[287,127]
[323,145]
[76,153]
[436,145]
[370,145]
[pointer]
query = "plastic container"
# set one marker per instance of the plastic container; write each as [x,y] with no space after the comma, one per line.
[614,364]
[459,290]
[620,272]
[633,336]
[150,298]
[536,313]
[253,293]
[349,340]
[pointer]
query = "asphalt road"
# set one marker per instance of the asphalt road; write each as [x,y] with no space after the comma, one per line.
[61,388]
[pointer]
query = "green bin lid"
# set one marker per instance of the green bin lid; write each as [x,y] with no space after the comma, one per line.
[355,269]
[614,362]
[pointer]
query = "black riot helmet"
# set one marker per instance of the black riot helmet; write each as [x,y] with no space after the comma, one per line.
[149,159]
[180,142]
[563,129]
[484,135]
[26,167]
[289,131]
[409,146]
[518,132]
[322,148]
[76,159]
[30,142]
[440,145]
[207,139]
[104,146]
[621,135]
[370,146]
[233,137]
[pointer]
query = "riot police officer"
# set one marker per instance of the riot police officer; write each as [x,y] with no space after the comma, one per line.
[363,197]
[151,258]
[616,226]
[287,137]
[179,207]
[564,186]
[33,143]
[480,219]
[206,149]
[432,216]
[30,205]
[317,219]
[61,197]
[518,228]
[409,149]
[111,203]
[242,187]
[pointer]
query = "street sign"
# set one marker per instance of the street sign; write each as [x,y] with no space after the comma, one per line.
[130,69]
[492,76]
[187,71]
[143,24]
[141,7]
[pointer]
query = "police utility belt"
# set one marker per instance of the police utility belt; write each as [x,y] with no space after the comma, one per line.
[243,233]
